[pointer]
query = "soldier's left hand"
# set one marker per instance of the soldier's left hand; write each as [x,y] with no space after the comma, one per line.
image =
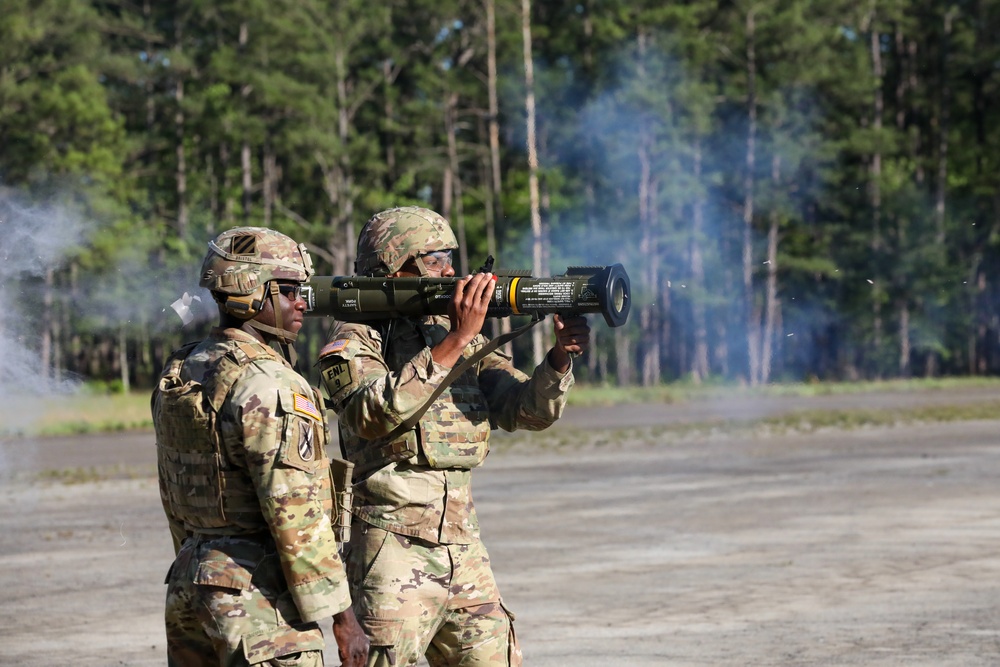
[352,644]
[572,337]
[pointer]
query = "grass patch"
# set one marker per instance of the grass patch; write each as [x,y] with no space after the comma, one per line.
[807,421]
[94,412]
[813,420]
[679,392]
[75,414]
[88,474]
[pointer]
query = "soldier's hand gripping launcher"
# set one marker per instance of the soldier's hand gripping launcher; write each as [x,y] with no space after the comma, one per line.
[582,289]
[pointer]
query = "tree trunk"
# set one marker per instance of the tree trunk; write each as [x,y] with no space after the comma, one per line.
[48,326]
[648,316]
[229,206]
[453,209]
[721,347]
[771,301]
[771,295]
[246,166]
[336,248]
[978,337]
[904,338]
[123,364]
[538,345]
[903,308]
[182,205]
[346,184]
[389,113]
[649,361]
[943,124]
[179,136]
[623,357]
[245,152]
[60,325]
[75,340]
[496,183]
[337,181]
[875,190]
[149,88]
[663,292]
[752,315]
[213,192]
[448,177]
[143,363]
[699,361]
[979,341]
[269,188]
[931,366]
[494,215]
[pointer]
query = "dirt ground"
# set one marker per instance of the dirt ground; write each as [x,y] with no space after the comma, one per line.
[615,540]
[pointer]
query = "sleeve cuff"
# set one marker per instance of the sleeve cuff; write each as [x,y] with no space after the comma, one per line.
[550,382]
[428,370]
[321,598]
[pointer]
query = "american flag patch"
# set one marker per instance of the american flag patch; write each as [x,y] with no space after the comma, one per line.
[335,346]
[303,405]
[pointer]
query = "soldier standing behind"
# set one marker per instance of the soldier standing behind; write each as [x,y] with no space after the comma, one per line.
[244,475]
[420,576]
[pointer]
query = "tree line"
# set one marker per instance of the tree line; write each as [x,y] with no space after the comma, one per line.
[799,190]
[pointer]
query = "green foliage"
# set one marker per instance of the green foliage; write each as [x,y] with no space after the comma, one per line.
[671,137]
[55,123]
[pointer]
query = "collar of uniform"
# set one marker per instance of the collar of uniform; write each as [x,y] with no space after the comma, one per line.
[242,337]
[247,348]
[230,333]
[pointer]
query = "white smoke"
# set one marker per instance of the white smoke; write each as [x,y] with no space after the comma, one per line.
[33,240]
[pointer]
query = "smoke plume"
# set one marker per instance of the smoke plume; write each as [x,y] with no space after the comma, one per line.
[33,240]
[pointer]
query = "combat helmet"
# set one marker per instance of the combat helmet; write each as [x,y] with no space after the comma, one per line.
[391,238]
[241,265]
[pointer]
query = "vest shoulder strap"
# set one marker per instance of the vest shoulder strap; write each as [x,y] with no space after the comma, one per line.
[229,369]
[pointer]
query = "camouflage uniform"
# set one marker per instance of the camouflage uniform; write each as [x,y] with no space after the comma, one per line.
[420,576]
[245,484]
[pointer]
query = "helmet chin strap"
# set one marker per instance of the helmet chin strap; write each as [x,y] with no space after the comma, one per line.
[284,337]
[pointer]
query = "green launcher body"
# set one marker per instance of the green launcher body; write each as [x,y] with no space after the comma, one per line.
[581,290]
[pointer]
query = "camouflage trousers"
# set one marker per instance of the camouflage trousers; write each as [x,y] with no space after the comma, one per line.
[228,605]
[418,599]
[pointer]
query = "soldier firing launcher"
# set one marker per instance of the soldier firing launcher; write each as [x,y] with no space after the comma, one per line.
[582,289]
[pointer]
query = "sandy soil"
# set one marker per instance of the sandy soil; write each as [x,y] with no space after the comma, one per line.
[614,541]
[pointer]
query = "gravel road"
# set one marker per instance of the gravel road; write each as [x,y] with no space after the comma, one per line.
[614,541]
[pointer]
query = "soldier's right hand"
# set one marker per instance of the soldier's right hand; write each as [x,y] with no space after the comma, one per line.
[469,304]
[467,312]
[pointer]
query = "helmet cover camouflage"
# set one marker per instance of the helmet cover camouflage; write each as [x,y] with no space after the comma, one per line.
[244,258]
[394,236]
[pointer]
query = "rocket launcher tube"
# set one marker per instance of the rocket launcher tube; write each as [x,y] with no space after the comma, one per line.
[582,289]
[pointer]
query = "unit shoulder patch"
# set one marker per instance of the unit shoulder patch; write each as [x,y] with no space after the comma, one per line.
[299,449]
[337,375]
[306,450]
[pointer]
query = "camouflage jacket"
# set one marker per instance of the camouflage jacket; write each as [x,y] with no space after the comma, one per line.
[268,479]
[376,380]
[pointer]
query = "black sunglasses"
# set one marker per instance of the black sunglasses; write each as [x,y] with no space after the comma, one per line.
[291,292]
